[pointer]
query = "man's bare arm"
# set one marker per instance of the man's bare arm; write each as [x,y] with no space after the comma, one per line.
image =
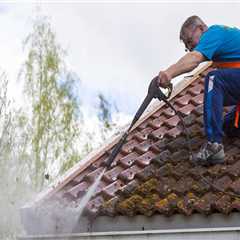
[186,64]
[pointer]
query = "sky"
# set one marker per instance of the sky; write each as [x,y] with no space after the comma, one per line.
[114,47]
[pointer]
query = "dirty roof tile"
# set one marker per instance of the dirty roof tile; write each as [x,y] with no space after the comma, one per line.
[111,175]
[174,132]
[196,101]
[143,135]
[159,145]
[145,159]
[172,122]
[168,112]
[146,206]
[146,172]
[166,185]
[180,155]
[128,189]
[109,207]
[235,186]
[184,100]
[93,175]
[128,146]
[162,157]
[144,124]
[77,191]
[163,206]
[223,183]
[159,133]
[236,204]
[198,110]
[216,170]
[234,169]
[185,205]
[129,174]
[183,185]
[223,204]
[205,204]
[129,206]
[190,119]
[93,207]
[144,146]
[128,160]
[109,191]
[187,109]
[196,90]
[157,122]
[200,186]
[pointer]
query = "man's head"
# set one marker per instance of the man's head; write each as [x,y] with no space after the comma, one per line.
[191,31]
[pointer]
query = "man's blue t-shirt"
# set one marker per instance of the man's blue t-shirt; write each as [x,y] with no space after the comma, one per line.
[220,43]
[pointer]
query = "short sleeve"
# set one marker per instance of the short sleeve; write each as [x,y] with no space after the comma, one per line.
[210,42]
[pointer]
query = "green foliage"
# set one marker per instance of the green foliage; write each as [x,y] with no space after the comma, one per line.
[54,128]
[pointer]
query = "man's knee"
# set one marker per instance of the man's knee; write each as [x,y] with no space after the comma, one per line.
[214,72]
[214,79]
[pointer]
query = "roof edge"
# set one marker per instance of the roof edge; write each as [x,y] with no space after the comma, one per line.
[139,225]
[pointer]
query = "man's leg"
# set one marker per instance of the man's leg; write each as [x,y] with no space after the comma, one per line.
[222,87]
[213,106]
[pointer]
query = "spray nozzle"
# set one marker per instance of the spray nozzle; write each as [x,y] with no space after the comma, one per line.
[156,92]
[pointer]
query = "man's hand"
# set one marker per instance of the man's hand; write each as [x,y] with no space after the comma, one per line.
[164,80]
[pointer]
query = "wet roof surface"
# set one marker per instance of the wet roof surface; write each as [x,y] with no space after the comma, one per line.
[153,175]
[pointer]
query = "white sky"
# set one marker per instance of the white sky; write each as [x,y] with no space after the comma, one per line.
[114,47]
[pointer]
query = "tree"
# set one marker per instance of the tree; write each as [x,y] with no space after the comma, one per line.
[53,109]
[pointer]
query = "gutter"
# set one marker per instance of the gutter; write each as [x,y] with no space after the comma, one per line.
[206,233]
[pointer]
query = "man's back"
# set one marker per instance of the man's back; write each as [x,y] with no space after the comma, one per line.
[220,43]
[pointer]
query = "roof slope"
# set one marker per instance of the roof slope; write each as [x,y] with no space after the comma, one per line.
[152,173]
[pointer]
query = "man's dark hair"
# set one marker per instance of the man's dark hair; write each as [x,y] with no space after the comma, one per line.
[189,24]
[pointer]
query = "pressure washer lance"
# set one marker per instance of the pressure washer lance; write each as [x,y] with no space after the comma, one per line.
[155,92]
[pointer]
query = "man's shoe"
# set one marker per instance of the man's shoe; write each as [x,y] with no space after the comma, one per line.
[210,154]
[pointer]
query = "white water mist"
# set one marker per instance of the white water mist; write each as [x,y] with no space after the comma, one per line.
[89,194]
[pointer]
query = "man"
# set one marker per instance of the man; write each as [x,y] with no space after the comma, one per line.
[220,44]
